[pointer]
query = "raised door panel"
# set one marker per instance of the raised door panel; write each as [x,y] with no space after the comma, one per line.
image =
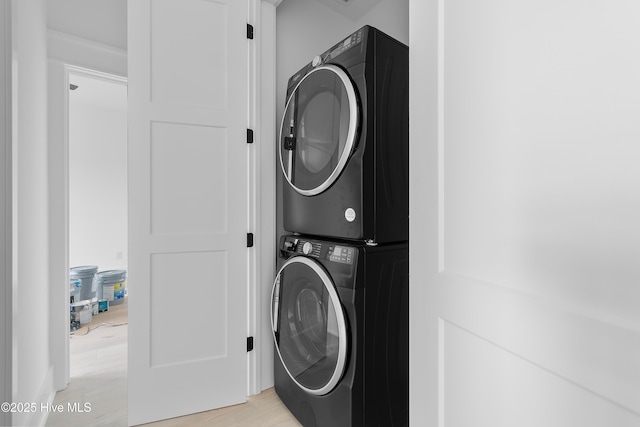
[539,181]
[186,276]
[499,388]
[189,179]
[188,68]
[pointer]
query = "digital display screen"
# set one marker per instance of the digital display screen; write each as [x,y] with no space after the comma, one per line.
[341,254]
[347,44]
[339,250]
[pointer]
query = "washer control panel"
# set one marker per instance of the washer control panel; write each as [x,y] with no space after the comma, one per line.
[296,245]
[340,254]
[307,248]
[321,250]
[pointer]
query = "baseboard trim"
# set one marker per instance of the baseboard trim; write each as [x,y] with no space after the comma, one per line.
[45,397]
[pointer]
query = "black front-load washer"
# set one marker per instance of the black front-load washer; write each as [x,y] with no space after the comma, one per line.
[344,142]
[340,320]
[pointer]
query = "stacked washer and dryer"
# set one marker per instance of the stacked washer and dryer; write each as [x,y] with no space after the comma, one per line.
[339,305]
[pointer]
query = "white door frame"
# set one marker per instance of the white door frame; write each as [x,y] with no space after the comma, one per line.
[262,194]
[85,72]
[6,259]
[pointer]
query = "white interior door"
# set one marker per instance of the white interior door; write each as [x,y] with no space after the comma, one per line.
[524,219]
[188,206]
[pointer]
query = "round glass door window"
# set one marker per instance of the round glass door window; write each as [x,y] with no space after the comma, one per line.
[318,129]
[308,325]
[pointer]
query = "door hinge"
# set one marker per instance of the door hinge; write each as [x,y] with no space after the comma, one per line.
[249,344]
[250,31]
[249,240]
[249,136]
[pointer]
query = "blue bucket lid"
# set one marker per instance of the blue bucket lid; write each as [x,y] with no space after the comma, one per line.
[83,271]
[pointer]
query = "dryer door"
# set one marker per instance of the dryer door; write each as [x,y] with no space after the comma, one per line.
[318,130]
[308,325]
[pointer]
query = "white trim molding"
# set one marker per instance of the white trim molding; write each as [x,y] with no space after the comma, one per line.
[265,121]
[6,336]
[262,155]
[86,53]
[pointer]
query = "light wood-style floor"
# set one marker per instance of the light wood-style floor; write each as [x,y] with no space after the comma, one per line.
[99,377]
[262,410]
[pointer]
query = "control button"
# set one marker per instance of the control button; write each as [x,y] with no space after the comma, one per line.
[290,245]
[307,248]
[316,61]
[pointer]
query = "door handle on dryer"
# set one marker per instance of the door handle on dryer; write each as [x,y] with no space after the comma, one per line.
[290,146]
[276,304]
[289,143]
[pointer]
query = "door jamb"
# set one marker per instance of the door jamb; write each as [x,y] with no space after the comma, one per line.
[6,225]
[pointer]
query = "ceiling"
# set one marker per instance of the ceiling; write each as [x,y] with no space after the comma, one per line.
[352,9]
[98,92]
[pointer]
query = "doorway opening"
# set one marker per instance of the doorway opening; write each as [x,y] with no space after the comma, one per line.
[97,243]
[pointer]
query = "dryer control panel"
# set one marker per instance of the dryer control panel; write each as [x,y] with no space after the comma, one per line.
[346,44]
[353,56]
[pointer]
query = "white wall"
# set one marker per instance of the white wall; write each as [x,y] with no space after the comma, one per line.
[103,21]
[5,208]
[32,370]
[97,177]
[423,124]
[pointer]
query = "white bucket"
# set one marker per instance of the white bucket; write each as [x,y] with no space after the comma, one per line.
[86,275]
[113,285]
[82,312]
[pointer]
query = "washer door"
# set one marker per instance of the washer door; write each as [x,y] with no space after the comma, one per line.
[318,129]
[308,325]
